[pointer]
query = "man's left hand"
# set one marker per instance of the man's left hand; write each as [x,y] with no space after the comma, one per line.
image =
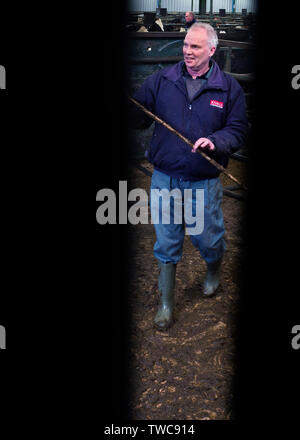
[204,144]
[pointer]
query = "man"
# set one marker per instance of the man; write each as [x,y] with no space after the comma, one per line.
[189,19]
[208,107]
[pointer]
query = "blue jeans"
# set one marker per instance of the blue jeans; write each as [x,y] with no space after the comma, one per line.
[169,237]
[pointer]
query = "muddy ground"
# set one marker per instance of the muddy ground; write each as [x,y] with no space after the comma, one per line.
[186,372]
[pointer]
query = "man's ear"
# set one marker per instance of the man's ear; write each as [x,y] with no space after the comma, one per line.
[212,51]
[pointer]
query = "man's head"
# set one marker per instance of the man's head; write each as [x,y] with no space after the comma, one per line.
[199,45]
[189,16]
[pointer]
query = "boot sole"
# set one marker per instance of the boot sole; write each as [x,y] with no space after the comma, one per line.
[162,329]
[209,295]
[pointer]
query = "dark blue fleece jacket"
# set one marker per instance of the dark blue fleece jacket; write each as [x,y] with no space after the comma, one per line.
[217,111]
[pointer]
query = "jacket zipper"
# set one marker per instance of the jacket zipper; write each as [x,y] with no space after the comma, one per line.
[189,119]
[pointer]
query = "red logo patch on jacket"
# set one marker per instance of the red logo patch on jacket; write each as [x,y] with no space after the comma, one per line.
[215,103]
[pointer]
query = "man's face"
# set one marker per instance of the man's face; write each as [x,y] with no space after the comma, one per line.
[188,17]
[196,51]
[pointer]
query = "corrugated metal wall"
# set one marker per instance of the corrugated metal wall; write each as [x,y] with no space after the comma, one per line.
[142,5]
[179,5]
[185,5]
[219,4]
[250,5]
[171,5]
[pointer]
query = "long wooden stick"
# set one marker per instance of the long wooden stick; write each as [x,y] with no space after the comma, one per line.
[187,141]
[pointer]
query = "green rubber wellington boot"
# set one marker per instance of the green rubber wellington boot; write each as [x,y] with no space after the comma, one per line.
[166,285]
[212,278]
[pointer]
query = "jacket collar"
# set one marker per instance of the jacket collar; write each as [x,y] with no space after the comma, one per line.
[204,76]
[216,79]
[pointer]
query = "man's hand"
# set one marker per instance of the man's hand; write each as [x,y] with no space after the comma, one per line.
[204,144]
